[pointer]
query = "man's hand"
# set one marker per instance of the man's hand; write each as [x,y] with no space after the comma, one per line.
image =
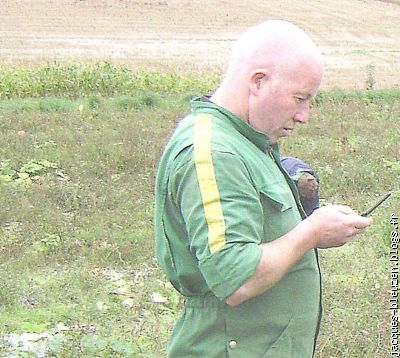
[329,226]
[335,225]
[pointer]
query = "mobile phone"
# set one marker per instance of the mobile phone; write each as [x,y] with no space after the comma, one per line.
[372,208]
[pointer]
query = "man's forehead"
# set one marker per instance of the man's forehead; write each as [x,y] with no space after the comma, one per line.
[306,77]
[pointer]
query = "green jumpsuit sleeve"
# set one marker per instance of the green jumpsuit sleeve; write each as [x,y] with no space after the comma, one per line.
[224,228]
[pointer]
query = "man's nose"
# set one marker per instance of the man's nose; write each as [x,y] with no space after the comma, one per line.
[302,114]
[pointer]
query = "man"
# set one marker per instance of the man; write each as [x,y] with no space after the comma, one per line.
[231,233]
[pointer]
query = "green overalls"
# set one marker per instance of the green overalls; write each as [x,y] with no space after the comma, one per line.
[220,193]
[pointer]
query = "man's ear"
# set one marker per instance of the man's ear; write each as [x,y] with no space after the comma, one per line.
[256,80]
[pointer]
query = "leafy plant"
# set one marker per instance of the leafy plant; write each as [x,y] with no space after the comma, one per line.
[27,174]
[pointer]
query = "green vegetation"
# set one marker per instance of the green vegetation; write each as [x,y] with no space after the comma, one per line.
[99,79]
[77,167]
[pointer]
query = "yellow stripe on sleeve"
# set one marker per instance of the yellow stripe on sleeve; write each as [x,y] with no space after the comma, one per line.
[208,184]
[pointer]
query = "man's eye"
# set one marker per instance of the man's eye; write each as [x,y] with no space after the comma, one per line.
[299,99]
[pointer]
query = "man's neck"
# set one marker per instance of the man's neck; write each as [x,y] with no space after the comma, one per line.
[231,102]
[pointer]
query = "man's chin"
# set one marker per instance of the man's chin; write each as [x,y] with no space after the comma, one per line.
[273,140]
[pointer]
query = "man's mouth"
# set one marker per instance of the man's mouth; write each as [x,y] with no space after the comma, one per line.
[287,131]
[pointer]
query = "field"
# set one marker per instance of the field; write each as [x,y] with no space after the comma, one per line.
[81,138]
[357,38]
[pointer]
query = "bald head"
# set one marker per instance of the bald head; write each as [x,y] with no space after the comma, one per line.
[272,44]
[273,50]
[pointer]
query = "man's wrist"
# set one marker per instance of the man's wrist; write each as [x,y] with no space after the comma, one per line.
[306,232]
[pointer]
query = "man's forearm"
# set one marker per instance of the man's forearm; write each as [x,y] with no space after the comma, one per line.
[329,226]
[277,258]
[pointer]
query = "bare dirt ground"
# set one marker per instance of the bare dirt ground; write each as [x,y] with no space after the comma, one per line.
[356,36]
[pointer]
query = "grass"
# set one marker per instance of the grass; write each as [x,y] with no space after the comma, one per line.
[76,249]
[68,233]
[99,79]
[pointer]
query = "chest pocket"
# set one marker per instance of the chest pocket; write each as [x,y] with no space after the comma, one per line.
[279,210]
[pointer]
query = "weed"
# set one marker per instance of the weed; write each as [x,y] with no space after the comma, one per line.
[370,80]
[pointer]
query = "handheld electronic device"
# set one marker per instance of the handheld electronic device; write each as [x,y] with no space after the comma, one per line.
[372,208]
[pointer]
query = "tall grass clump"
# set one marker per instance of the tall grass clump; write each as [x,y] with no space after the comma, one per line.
[371,96]
[97,79]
